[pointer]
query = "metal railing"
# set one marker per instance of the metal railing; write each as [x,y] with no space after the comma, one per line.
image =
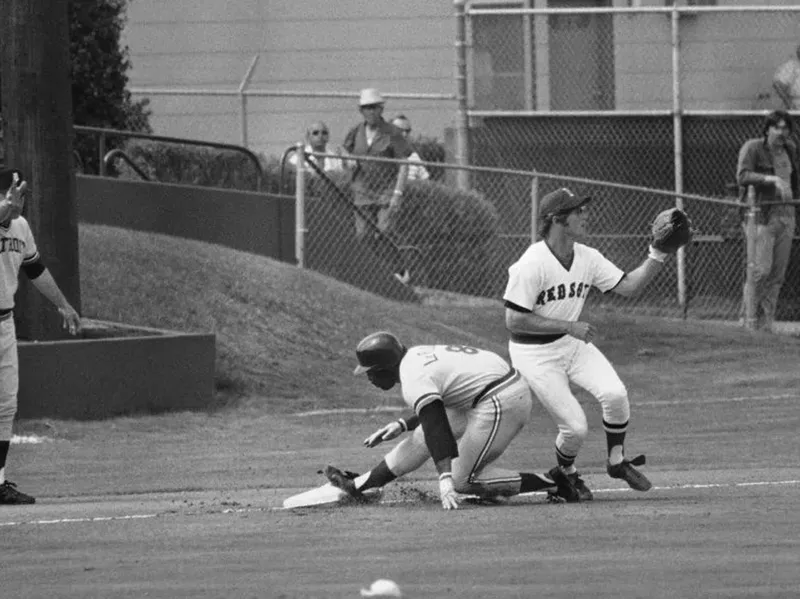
[105,134]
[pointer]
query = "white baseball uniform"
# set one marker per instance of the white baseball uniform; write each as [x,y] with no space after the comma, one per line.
[17,247]
[487,403]
[540,283]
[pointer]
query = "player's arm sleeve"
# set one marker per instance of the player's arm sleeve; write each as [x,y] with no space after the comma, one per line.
[33,269]
[522,287]
[605,274]
[409,423]
[438,435]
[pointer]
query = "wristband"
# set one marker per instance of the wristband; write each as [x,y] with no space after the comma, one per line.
[656,254]
[445,475]
[403,424]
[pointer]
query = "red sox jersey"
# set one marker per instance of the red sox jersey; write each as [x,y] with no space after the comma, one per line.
[17,247]
[456,374]
[539,282]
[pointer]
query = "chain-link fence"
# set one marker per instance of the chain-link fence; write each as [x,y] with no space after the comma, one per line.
[464,241]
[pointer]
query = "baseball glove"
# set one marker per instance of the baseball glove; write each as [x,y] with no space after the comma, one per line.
[672,229]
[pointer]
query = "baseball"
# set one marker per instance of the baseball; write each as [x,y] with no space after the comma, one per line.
[383,587]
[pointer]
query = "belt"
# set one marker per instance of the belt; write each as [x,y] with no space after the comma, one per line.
[6,314]
[494,385]
[526,339]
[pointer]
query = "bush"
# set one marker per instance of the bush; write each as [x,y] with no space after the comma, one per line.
[189,165]
[454,234]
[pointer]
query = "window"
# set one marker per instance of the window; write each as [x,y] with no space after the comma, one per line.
[498,63]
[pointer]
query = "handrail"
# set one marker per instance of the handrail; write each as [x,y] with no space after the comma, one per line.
[117,153]
[178,140]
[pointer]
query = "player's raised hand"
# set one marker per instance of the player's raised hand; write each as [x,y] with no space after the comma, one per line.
[582,330]
[447,491]
[386,433]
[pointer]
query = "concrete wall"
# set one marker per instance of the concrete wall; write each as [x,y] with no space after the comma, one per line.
[144,371]
[254,222]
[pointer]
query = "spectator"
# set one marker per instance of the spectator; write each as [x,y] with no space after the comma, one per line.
[786,82]
[416,172]
[770,164]
[317,136]
[377,187]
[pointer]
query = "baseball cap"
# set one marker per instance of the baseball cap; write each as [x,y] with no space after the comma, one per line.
[370,96]
[382,588]
[561,200]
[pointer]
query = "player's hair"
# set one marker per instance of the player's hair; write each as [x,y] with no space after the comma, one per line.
[545,224]
[775,117]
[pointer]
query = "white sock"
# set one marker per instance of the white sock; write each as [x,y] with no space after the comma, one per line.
[571,469]
[615,456]
[2,475]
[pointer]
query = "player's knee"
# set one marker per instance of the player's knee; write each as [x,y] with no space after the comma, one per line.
[576,431]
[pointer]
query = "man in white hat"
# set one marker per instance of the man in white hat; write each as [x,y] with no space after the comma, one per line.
[376,186]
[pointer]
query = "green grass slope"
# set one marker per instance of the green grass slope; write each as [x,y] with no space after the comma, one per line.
[286,337]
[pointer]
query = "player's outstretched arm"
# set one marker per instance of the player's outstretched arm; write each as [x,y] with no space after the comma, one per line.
[639,278]
[48,287]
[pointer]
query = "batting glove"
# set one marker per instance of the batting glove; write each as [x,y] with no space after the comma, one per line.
[447,491]
[387,433]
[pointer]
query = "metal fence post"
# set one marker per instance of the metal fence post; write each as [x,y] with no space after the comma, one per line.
[462,118]
[300,206]
[749,298]
[243,98]
[534,209]
[677,133]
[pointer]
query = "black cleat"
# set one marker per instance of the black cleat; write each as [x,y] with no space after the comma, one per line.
[344,481]
[10,496]
[584,493]
[625,471]
[565,488]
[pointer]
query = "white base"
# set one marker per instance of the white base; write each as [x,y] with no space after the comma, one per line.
[327,494]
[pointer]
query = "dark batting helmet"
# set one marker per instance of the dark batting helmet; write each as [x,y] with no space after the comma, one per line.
[378,350]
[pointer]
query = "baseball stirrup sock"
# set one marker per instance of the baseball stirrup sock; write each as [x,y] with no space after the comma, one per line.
[375,478]
[534,482]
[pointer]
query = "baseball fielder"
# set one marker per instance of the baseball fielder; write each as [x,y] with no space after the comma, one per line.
[469,405]
[552,347]
[18,250]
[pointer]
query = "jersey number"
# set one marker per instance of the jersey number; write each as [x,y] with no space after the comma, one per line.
[462,349]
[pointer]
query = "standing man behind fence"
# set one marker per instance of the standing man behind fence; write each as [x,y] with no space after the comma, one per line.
[377,186]
[770,164]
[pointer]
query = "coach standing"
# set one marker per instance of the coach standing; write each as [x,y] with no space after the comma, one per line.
[770,164]
[18,251]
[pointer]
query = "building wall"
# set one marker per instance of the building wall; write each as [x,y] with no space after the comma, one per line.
[408,47]
[314,46]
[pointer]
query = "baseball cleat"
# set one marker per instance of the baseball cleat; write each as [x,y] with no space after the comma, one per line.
[584,493]
[625,471]
[565,486]
[344,481]
[10,496]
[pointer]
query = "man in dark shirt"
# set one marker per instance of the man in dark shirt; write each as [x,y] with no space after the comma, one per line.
[770,164]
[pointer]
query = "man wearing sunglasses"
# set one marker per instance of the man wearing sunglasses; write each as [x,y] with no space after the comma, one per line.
[468,403]
[552,347]
[317,138]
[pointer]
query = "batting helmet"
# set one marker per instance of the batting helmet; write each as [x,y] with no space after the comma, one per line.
[378,350]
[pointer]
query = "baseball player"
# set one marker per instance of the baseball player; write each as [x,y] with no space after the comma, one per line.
[468,404]
[552,347]
[18,250]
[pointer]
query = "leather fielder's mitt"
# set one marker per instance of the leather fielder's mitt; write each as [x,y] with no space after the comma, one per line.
[672,229]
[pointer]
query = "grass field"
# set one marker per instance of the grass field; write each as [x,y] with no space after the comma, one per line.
[189,505]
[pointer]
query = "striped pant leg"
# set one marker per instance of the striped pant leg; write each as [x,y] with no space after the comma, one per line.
[491,426]
[9,377]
